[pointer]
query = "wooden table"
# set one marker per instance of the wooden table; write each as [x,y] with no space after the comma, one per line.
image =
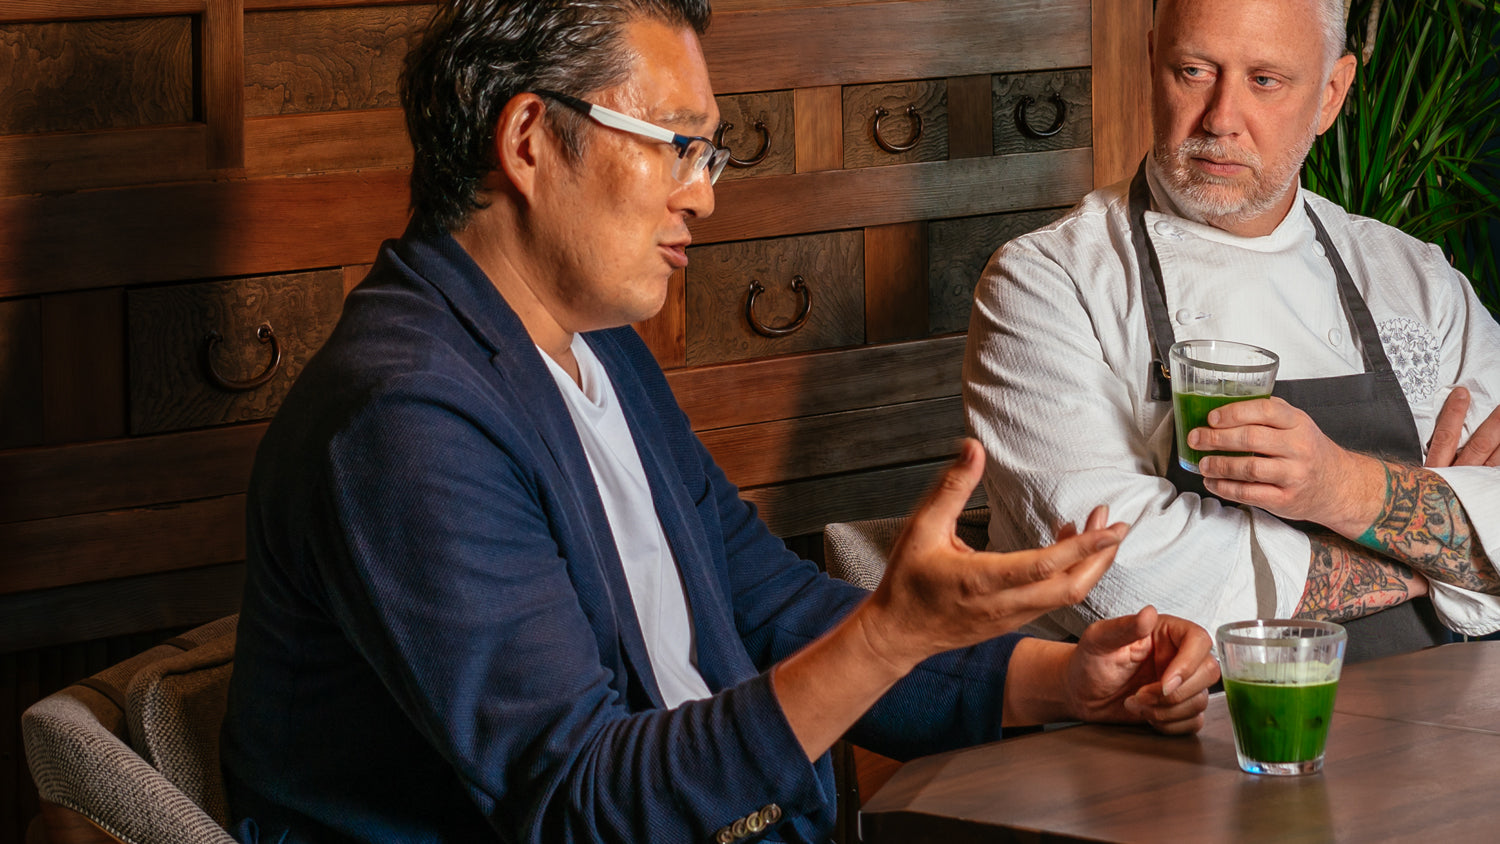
[1413,754]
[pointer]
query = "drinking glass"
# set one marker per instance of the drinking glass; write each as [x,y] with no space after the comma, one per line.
[1280,678]
[1211,373]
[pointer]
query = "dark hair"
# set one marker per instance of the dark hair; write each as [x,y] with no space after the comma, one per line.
[477,54]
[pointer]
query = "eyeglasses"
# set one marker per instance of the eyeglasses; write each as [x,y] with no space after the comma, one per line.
[694,154]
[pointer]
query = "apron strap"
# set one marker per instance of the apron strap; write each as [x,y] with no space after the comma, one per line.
[1153,294]
[1370,347]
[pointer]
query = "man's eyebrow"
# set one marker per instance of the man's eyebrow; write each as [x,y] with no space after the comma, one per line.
[683,117]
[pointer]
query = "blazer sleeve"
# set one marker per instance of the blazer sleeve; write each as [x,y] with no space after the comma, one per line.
[453,585]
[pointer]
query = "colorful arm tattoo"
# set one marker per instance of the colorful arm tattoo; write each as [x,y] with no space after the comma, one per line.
[1424,526]
[1346,581]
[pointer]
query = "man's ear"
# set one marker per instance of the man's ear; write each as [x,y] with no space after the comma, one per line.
[1336,90]
[523,142]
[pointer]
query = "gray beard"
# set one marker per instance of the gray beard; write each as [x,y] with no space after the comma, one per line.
[1218,202]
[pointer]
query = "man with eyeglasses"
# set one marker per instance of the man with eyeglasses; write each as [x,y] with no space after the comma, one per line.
[498,589]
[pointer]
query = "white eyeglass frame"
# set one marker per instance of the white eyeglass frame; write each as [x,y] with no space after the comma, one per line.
[712,162]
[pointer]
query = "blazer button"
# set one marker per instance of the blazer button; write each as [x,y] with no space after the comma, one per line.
[754,822]
[740,828]
[724,836]
[770,814]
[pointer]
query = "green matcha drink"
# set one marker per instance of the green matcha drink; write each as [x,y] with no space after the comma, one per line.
[1280,678]
[1207,374]
[1275,722]
[1191,411]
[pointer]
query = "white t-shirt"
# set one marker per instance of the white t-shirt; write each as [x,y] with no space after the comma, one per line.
[655,584]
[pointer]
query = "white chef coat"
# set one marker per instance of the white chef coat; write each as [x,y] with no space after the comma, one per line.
[1056,388]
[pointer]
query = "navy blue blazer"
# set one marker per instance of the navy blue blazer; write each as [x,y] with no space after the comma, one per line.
[438,643]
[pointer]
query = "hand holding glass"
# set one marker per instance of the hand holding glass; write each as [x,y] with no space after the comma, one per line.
[1211,373]
[1280,678]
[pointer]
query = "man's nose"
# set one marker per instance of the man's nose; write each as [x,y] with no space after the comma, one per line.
[1224,114]
[696,197]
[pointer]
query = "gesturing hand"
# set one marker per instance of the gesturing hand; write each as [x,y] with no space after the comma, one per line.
[1143,667]
[1293,469]
[939,594]
[1447,447]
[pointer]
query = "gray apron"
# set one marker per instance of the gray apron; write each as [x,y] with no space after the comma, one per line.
[1365,412]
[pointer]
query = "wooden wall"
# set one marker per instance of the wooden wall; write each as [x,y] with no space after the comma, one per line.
[173,168]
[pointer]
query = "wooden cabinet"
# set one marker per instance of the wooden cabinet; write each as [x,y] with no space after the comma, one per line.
[170,168]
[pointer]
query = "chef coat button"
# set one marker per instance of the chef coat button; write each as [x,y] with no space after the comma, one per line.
[1184,316]
[1335,336]
[1165,228]
[1318,248]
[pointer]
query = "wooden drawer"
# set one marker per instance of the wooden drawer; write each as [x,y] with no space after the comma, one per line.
[1042,111]
[957,251]
[758,128]
[744,300]
[901,109]
[196,351]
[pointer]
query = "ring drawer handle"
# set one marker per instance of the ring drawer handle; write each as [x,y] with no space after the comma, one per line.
[760,154]
[798,286]
[264,334]
[916,132]
[1023,120]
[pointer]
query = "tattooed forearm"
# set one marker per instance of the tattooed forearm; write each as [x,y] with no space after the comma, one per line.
[1423,525]
[1346,581]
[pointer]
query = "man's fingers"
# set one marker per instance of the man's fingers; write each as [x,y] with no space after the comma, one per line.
[1190,670]
[1482,449]
[1098,518]
[1448,429]
[947,500]
[1115,633]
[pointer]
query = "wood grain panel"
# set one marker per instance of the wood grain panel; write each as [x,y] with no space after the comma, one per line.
[223,88]
[20,376]
[666,333]
[169,349]
[957,253]
[83,365]
[875,196]
[848,45]
[49,553]
[720,279]
[199,230]
[24,11]
[65,161]
[328,59]
[819,382]
[95,74]
[752,122]
[353,275]
[805,506]
[1122,87]
[42,483]
[321,143]
[892,104]
[971,128]
[85,611]
[1072,87]
[820,128]
[895,282]
[792,449]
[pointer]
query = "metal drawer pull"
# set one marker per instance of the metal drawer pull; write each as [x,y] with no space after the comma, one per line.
[1023,121]
[264,334]
[798,286]
[758,157]
[916,132]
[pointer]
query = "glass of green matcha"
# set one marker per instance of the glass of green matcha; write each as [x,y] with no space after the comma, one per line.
[1210,373]
[1280,677]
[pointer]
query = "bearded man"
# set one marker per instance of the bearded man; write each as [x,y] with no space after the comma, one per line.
[1350,496]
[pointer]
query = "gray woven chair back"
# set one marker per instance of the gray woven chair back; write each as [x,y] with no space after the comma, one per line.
[135,748]
[858,551]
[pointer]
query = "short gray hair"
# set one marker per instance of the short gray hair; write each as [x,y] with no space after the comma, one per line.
[1332,16]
